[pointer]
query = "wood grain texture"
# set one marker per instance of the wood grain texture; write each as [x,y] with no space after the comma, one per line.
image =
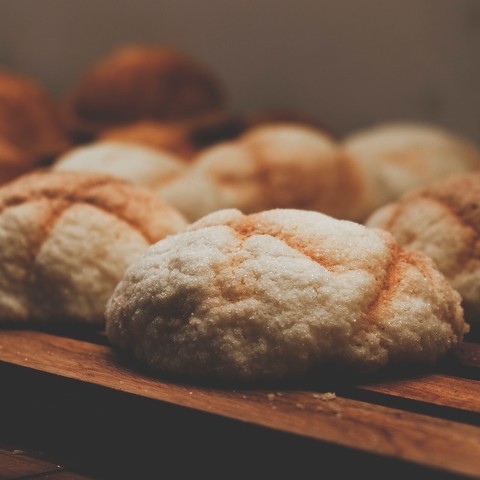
[437,389]
[424,439]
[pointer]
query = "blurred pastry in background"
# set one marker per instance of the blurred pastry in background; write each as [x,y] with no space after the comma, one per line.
[272,116]
[443,221]
[13,161]
[185,139]
[137,83]
[270,166]
[139,164]
[29,118]
[66,239]
[398,156]
[282,165]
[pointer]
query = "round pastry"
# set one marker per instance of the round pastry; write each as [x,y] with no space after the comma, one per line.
[66,239]
[141,82]
[397,157]
[13,161]
[29,119]
[281,293]
[138,164]
[271,166]
[443,221]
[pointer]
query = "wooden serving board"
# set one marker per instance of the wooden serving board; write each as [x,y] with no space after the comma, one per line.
[428,420]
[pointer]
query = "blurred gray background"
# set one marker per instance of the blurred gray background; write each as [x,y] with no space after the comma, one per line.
[351,63]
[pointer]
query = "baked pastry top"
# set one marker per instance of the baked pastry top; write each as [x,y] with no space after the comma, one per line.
[399,156]
[66,239]
[443,221]
[13,161]
[281,293]
[141,82]
[136,163]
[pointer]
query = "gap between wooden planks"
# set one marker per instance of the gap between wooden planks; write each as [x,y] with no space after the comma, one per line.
[423,439]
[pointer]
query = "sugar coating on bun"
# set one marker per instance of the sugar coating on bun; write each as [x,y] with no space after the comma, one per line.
[66,239]
[278,294]
[270,166]
[443,221]
[399,156]
[138,164]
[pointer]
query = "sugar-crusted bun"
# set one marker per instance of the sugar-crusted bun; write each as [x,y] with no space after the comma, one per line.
[296,166]
[442,220]
[281,293]
[141,82]
[29,119]
[136,163]
[66,239]
[270,166]
[397,157]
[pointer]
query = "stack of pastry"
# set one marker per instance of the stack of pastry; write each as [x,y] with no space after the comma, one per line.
[213,244]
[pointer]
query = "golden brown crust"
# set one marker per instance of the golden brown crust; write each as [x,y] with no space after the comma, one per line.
[29,119]
[13,161]
[296,185]
[461,195]
[248,226]
[162,136]
[141,82]
[131,204]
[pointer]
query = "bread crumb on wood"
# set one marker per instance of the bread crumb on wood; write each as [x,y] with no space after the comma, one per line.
[326,397]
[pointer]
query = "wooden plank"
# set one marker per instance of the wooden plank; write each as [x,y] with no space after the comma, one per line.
[15,464]
[439,389]
[422,439]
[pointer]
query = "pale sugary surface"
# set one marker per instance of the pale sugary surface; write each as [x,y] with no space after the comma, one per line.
[443,221]
[397,157]
[138,164]
[66,239]
[281,293]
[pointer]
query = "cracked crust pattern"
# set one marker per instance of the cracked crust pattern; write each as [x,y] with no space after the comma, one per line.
[281,293]
[272,166]
[66,240]
[442,220]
